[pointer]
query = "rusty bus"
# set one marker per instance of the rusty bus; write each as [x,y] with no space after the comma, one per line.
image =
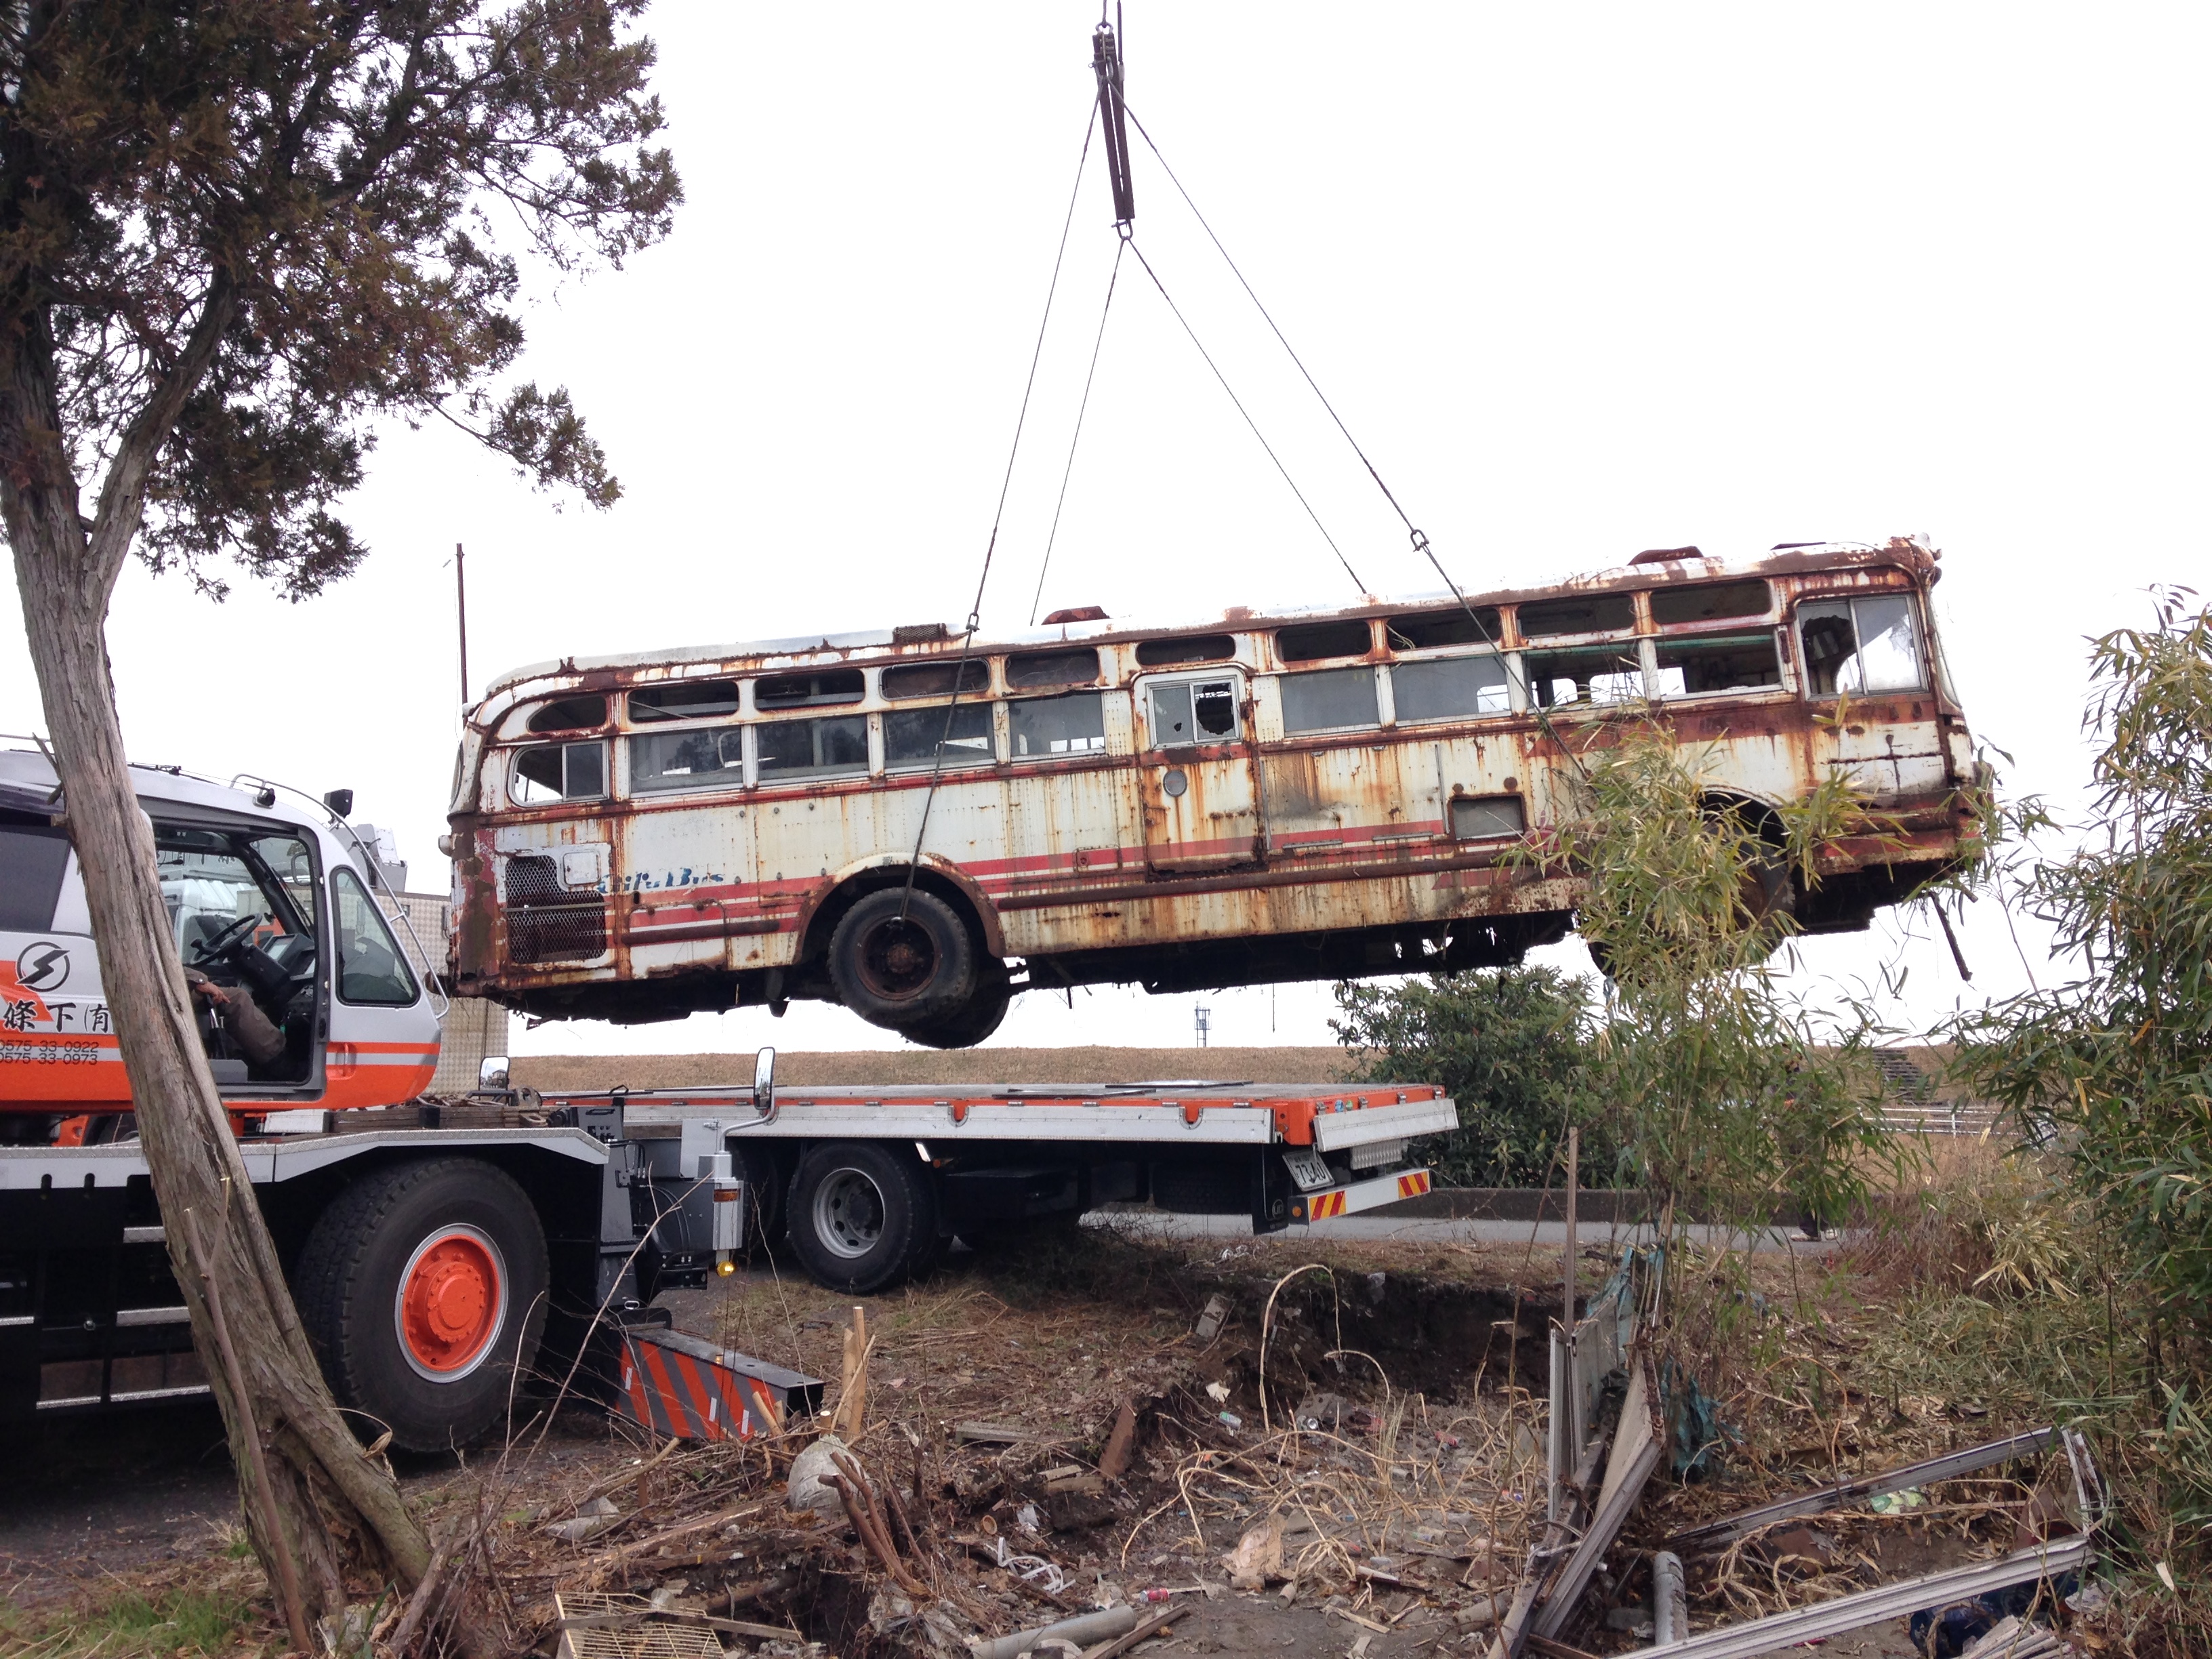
[919,832]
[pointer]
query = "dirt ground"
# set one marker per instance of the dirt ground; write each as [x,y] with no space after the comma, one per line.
[1409,1501]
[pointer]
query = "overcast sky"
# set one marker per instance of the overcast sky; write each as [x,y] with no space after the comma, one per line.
[1582,281]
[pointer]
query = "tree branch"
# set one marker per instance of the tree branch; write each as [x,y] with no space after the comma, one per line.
[123,497]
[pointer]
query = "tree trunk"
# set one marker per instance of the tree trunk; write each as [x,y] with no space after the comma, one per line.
[337,1511]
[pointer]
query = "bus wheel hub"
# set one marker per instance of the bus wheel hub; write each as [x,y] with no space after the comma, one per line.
[452,1298]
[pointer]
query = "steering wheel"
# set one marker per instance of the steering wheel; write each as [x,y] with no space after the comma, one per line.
[208,950]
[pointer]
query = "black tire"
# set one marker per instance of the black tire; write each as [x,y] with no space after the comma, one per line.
[901,960]
[983,1013]
[861,1216]
[465,1237]
[765,1180]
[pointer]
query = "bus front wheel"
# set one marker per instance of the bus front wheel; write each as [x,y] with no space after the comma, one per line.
[902,957]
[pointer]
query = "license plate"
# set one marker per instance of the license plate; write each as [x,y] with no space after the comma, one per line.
[1309,1170]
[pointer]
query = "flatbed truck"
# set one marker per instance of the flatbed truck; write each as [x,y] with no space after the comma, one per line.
[438,1248]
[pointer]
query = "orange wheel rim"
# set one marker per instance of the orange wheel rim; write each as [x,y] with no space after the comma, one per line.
[451,1302]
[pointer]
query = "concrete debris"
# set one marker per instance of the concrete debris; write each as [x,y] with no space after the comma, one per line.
[808,1488]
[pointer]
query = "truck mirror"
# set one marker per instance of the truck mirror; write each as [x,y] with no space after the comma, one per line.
[764,1082]
[492,1073]
[340,801]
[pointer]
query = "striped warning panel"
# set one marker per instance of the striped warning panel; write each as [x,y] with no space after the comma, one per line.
[1412,1184]
[681,1386]
[1325,1205]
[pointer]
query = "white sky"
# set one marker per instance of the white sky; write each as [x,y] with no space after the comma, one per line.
[1582,281]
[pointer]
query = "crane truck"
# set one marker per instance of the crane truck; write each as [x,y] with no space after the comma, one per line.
[441,1248]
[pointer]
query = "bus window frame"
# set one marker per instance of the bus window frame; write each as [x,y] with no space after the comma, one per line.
[1240,684]
[1516,690]
[1916,616]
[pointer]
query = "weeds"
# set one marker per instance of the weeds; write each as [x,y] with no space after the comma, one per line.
[129,1625]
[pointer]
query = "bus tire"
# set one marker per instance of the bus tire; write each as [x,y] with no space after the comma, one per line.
[422,1288]
[900,958]
[861,1215]
[976,1018]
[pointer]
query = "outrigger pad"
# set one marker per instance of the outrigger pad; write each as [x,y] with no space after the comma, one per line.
[684,1387]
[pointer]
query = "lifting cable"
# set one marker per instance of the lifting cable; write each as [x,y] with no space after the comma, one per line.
[1420,541]
[1076,437]
[982,578]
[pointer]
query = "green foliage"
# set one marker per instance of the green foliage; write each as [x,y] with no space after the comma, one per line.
[2116,1064]
[232,237]
[1507,1043]
[1719,1086]
[129,1625]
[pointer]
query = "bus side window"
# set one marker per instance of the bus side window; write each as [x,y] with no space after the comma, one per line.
[1701,666]
[1853,647]
[1330,699]
[912,737]
[1172,723]
[557,771]
[814,748]
[1599,675]
[1072,724]
[1450,687]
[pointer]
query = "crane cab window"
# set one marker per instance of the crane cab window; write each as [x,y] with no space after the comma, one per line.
[242,907]
[33,858]
[1188,712]
[371,969]
[557,771]
[1857,646]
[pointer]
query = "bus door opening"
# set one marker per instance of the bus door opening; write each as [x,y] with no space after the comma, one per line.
[1195,779]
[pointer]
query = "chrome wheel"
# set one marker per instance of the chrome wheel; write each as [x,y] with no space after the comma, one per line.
[848,1213]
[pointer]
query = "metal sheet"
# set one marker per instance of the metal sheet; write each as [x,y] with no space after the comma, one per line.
[1635,1448]
[1335,1130]
[1849,1612]
[1949,1465]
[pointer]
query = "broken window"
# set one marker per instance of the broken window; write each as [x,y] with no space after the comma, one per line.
[1487,818]
[1072,724]
[1189,647]
[912,737]
[825,685]
[32,859]
[796,749]
[1606,674]
[687,760]
[1318,639]
[557,771]
[684,700]
[934,679]
[569,714]
[1857,646]
[1429,629]
[1709,602]
[1330,700]
[1194,711]
[1450,687]
[371,970]
[1718,662]
[1592,613]
[1027,669]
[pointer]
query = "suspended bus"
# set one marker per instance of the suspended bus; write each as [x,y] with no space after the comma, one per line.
[919,832]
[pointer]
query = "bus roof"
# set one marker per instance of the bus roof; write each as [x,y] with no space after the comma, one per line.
[809,649]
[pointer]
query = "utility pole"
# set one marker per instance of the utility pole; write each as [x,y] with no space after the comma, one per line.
[461,606]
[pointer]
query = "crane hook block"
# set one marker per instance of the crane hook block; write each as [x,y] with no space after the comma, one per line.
[1106,64]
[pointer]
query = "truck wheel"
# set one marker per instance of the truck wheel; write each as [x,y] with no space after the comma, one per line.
[900,959]
[976,1018]
[861,1216]
[423,1287]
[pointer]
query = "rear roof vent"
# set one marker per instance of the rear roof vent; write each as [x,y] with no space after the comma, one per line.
[1666,555]
[1075,613]
[920,634]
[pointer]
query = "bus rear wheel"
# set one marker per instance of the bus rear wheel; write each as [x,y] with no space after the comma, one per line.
[975,1020]
[900,958]
[422,1288]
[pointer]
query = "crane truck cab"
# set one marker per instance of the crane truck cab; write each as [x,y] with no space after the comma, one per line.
[303,995]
